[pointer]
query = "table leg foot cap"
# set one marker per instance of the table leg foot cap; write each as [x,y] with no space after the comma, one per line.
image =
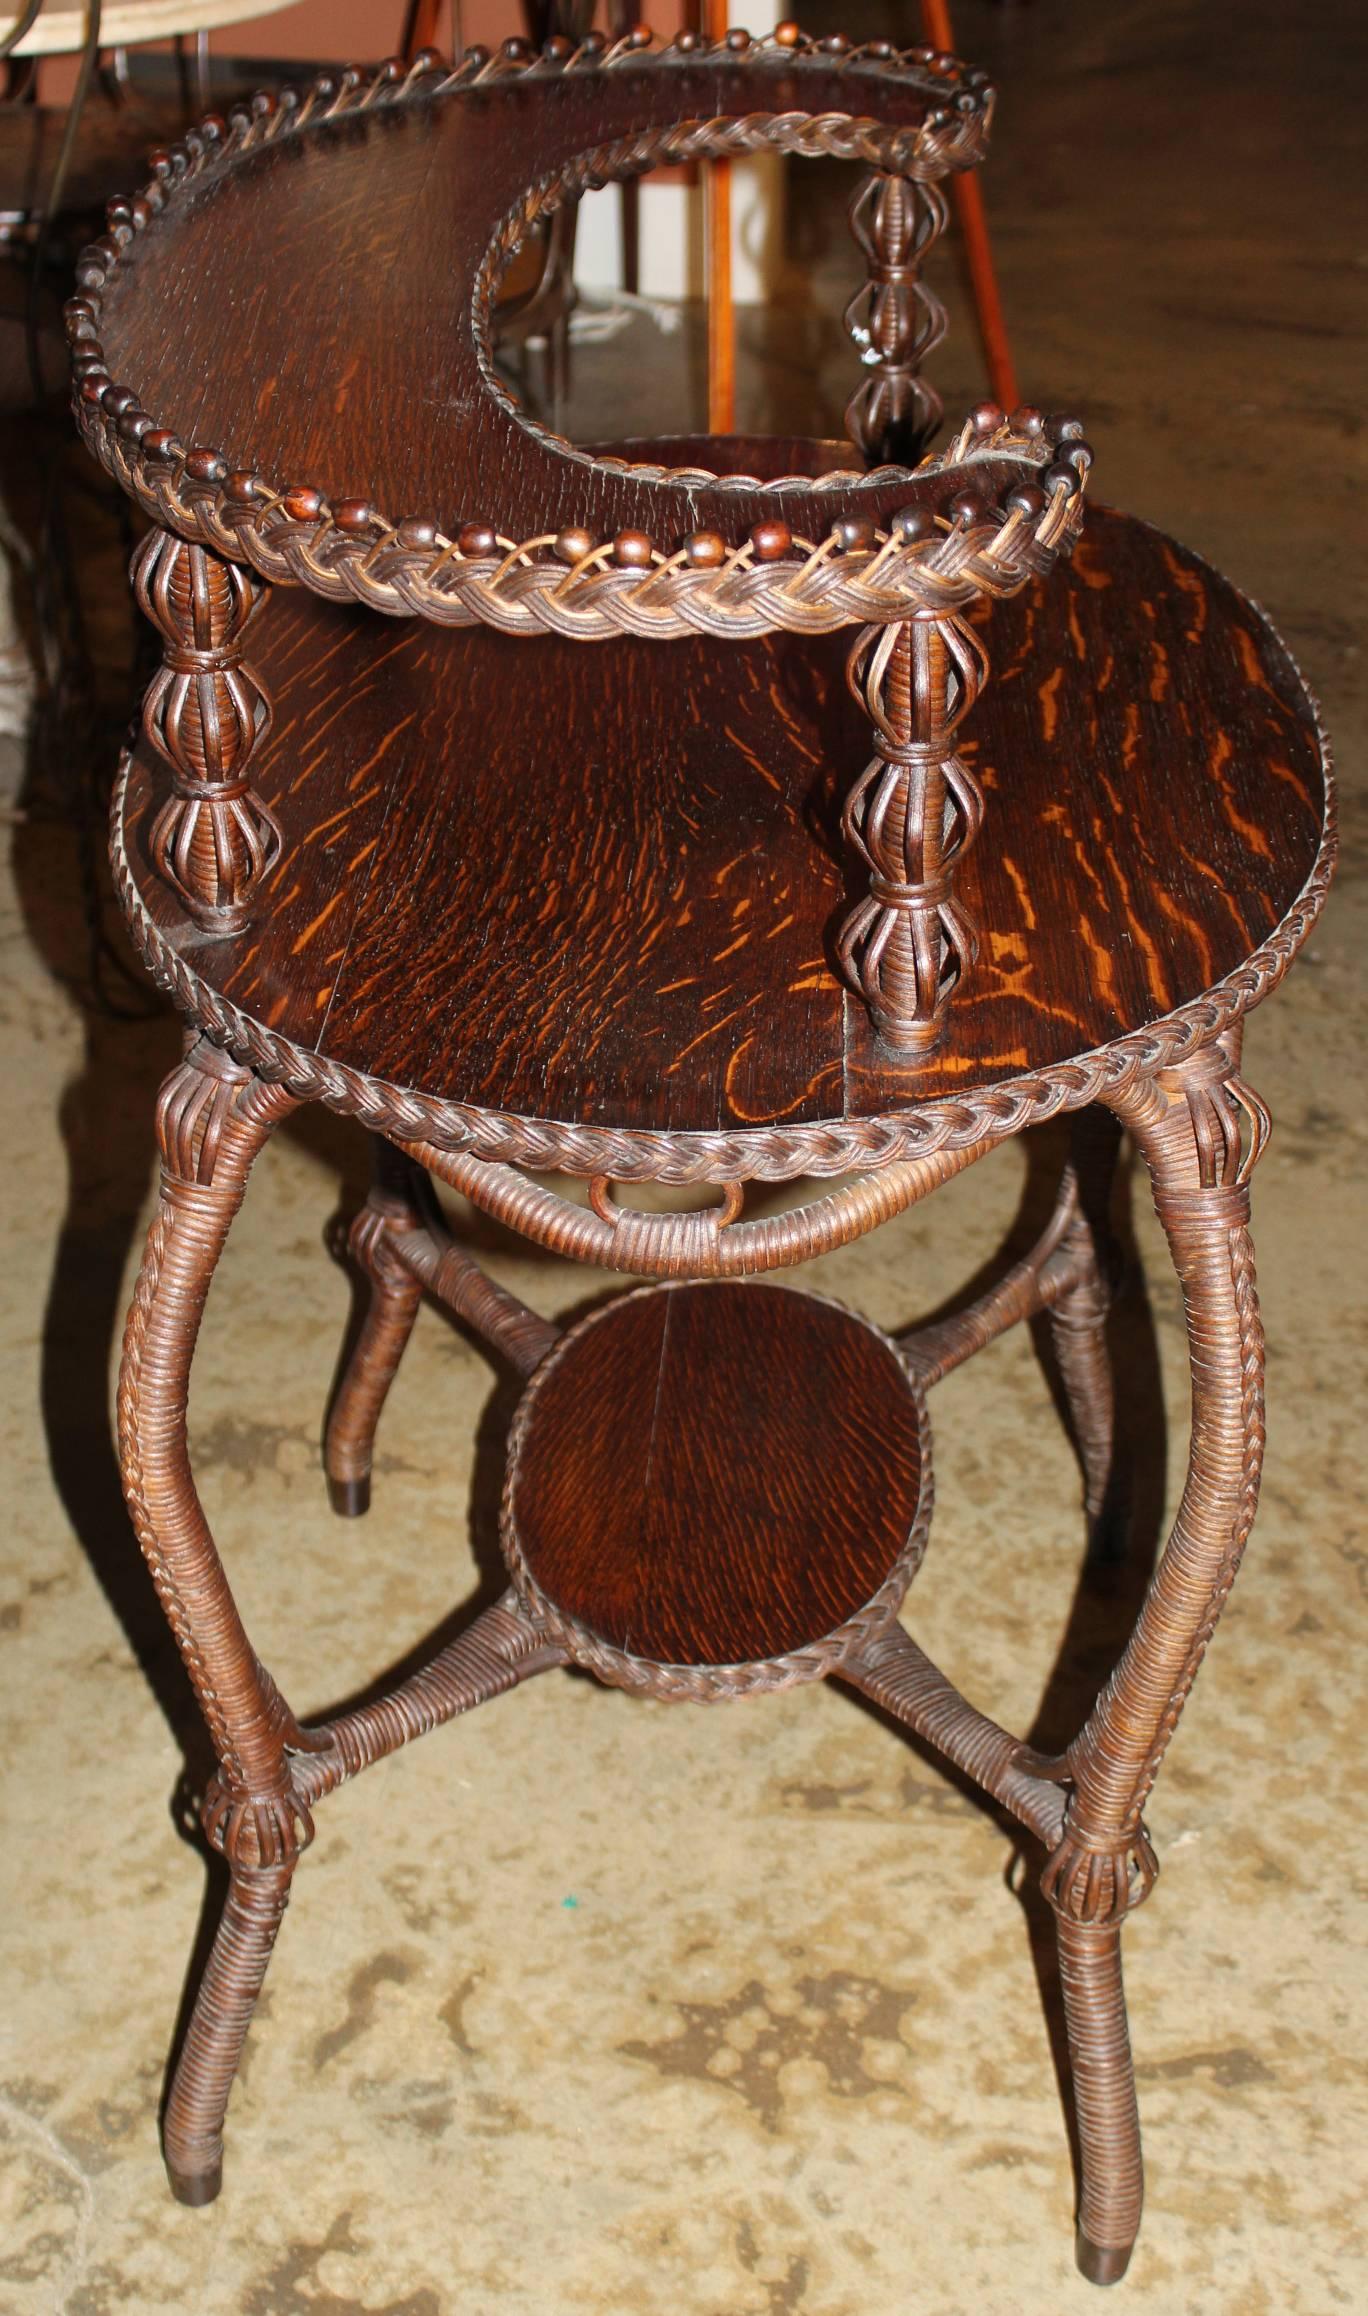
[196,2187]
[1101,2263]
[349,1498]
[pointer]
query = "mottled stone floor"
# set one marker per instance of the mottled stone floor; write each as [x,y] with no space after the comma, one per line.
[594,2005]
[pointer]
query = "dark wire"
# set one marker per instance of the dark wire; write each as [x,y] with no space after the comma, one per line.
[28,17]
[90,50]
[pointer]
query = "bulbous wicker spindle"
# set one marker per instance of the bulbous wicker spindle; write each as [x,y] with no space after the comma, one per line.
[910,819]
[895,320]
[205,714]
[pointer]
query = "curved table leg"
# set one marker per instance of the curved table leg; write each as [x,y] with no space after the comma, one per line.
[212,1119]
[1078,1323]
[395,1295]
[1188,1125]
[1112,2184]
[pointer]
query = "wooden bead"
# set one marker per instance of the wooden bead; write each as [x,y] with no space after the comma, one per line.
[913,523]
[705,550]
[986,418]
[738,40]
[1026,500]
[965,509]
[204,465]
[1060,477]
[1027,420]
[854,534]
[160,442]
[303,505]
[770,541]
[352,515]
[416,531]
[787,35]
[515,51]
[640,36]
[632,550]
[476,539]
[572,546]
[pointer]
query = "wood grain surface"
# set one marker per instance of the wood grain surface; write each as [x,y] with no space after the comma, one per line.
[601,886]
[339,350]
[715,1474]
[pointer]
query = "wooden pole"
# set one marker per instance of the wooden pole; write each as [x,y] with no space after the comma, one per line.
[967,197]
[721,315]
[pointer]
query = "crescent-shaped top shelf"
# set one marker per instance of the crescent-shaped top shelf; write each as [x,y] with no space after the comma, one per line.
[326,407]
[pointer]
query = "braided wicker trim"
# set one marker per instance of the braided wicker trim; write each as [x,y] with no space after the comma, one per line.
[568,583]
[712,1684]
[763,1154]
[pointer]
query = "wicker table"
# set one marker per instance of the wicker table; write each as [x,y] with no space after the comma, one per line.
[654,914]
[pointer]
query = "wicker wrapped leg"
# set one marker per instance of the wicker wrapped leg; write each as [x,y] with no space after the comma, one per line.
[1190,1123]
[193,2131]
[1078,1326]
[1112,2184]
[395,1294]
[212,1118]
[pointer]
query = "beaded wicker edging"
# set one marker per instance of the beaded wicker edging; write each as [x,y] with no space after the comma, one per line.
[567,582]
[758,1154]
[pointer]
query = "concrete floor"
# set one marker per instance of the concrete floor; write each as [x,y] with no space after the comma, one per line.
[595,2005]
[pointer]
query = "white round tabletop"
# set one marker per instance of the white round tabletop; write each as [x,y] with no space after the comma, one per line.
[61,29]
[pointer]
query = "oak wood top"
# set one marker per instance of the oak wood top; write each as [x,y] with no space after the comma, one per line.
[601,887]
[716,1474]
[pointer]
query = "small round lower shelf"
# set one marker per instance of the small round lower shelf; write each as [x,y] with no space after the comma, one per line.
[717,1487]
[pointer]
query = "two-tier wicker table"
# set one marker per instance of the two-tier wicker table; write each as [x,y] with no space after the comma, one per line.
[697,907]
